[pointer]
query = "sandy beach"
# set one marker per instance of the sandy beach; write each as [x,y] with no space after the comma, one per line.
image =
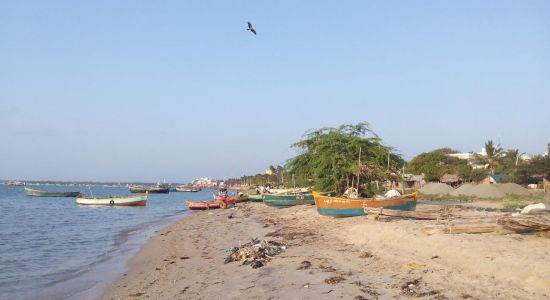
[329,258]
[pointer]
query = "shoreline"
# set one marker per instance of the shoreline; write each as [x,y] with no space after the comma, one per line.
[331,258]
[92,282]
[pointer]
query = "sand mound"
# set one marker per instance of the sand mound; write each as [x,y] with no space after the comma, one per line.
[487,191]
[513,189]
[436,188]
[464,189]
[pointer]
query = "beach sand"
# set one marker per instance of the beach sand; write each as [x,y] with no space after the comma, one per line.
[329,258]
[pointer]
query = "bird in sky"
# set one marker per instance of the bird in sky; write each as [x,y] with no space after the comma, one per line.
[250,28]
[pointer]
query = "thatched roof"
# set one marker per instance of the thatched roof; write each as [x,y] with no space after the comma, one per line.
[449,178]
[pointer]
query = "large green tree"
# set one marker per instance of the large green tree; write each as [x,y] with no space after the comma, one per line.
[438,162]
[329,157]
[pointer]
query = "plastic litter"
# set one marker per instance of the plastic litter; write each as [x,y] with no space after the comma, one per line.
[255,253]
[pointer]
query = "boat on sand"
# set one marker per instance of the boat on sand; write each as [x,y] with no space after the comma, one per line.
[348,207]
[281,200]
[203,205]
[39,193]
[134,200]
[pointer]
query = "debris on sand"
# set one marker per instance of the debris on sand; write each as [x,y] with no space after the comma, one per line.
[304,265]
[414,289]
[255,253]
[334,279]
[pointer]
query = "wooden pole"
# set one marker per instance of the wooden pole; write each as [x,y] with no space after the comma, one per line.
[359,170]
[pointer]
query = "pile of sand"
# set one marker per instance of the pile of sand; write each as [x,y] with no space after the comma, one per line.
[487,191]
[464,190]
[436,188]
[513,189]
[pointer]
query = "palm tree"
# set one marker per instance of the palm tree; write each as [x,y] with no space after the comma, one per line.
[493,154]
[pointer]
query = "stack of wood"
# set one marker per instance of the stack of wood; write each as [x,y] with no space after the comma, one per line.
[527,223]
[388,214]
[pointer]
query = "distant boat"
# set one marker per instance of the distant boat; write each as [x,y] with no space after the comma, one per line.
[38,193]
[159,189]
[348,207]
[203,205]
[137,200]
[15,183]
[137,189]
[281,200]
[188,189]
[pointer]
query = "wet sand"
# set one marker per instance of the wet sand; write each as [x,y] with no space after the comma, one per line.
[328,258]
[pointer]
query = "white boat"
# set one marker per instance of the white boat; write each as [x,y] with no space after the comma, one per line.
[134,200]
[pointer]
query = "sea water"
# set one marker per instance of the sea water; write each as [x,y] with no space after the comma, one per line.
[52,248]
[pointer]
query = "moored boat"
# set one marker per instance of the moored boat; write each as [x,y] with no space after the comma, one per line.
[134,200]
[348,207]
[203,205]
[256,197]
[39,193]
[188,189]
[282,200]
[159,189]
[240,197]
[139,189]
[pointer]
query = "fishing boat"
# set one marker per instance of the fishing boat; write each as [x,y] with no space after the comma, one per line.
[348,207]
[203,205]
[159,189]
[135,200]
[256,197]
[139,189]
[39,193]
[282,200]
[187,189]
[240,197]
[15,183]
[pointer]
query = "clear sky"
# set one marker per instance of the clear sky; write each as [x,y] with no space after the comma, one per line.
[146,90]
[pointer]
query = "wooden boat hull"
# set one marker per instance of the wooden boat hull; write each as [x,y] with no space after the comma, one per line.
[187,190]
[158,190]
[237,199]
[138,189]
[346,207]
[203,205]
[140,200]
[288,200]
[38,193]
[256,197]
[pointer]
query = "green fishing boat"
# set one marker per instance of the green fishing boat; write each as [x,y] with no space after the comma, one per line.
[38,193]
[282,200]
[256,197]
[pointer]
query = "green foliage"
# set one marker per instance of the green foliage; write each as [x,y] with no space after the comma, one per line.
[329,156]
[436,163]
[534,170]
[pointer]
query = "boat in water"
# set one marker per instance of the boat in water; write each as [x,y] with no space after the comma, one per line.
[137,189]
[203,205]
[39,193]
[134,200]
[348,207]
[187,189]
[282,200]
[15,183]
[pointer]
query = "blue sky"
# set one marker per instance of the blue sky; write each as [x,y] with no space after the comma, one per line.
[146,90]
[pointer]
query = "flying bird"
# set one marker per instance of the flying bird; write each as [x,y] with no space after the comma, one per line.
[250,28]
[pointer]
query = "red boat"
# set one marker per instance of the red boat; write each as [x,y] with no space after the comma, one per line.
[204,205]
[237,198]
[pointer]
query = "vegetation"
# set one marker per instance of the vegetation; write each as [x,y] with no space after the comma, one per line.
[436,163]
[330,157]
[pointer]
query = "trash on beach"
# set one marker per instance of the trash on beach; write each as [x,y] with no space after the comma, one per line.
[255,253]
[415,266]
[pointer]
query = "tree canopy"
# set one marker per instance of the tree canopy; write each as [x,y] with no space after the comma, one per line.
[330,157]
[436,163]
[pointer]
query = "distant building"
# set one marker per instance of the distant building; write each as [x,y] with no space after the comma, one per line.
[206,182]
[472,158]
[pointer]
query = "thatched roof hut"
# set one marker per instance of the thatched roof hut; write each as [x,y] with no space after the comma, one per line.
[452,179]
